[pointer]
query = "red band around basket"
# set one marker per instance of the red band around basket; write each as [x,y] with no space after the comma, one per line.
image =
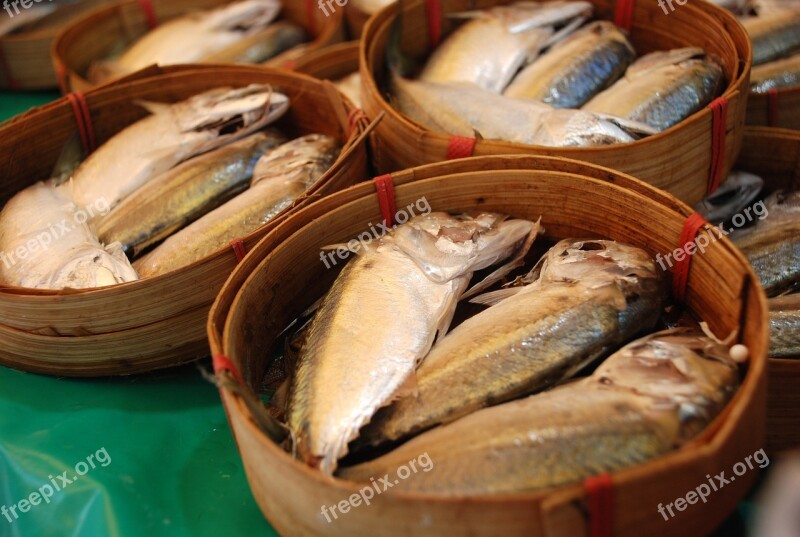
[600,490]
[680,278]
[289,65]
[223,363]
[460,147]
[623,14]
[239,249]
[83,120]
[719,121]
[772,107]
[149,13]
[4,65]
[63,78]
[311,13]
[385,189]
[434,11]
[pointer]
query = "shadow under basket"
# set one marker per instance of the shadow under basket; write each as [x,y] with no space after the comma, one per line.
[155,322]
[688,160]
[95,35]
[284,275]
[774,155]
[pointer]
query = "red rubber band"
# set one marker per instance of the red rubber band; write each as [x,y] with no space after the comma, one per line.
[149,13]
[289,65]
[772,107]
[385,188]
[680,278]
[719,121]
[600,490]
[83,120]
[239,249]
[312,18]
[623,14]
[434,10]
[460,147]
[223,363]
[63,78]
[4,65]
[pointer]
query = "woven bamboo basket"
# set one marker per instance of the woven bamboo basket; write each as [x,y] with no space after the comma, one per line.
[283,276]
[25,56]
[155,322]
[330,63]
[774,154]
[779,109]
[680,160]
[93,36]
[356,19]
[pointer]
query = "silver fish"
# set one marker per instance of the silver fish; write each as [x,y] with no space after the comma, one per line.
[491,47]
[573,71]
[777,74]
[589,297]
[171,134]
[420,269]
[784,326]
[740,190]
[662,88]
[645,400]
[774,35]
[262,46]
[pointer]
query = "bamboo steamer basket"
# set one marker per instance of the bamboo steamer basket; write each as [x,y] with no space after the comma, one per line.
[356,19]
[781,110]
[156,322]
[284,275]
[678,160]
[774,154]
[25,56]
[330,63]
[93,36]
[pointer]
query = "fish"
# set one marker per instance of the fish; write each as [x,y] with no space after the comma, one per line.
[465,109]
[784,73]
[516,34]
[45,243]
[784,326]
[662,88]
[262,46]
[648,398]
[171,134]
[350,86]
[772,245]
[590,297]
[576,69]
[183,194]
[371,7]
[190,38]
[774,35]
[739,191]
[69,159]
[279,178]
[380,319]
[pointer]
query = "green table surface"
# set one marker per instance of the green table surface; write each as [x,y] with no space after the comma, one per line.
[174,469]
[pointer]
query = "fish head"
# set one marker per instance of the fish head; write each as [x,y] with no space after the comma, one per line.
[447,246]
[596,260]
[305,158]
[90,267]
[523,16]
[783,203]
[738,192]
[679,368]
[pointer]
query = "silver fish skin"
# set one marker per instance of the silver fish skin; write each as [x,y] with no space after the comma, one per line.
[539,335]
[262,46]
[184,194]
[784,326]
[467,110]
[649,397]
[772,245]
[517,33]
[774,35]
[739,191]
[420,269]
[777,74]
[279,178]
[574,70]
[171,134]
[662,88]
[60,250]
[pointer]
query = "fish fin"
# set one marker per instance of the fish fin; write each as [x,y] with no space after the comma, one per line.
[280,400]
[516,262]
[409,388]
[564,32]
[495,297]
[477,135]
[153,107]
